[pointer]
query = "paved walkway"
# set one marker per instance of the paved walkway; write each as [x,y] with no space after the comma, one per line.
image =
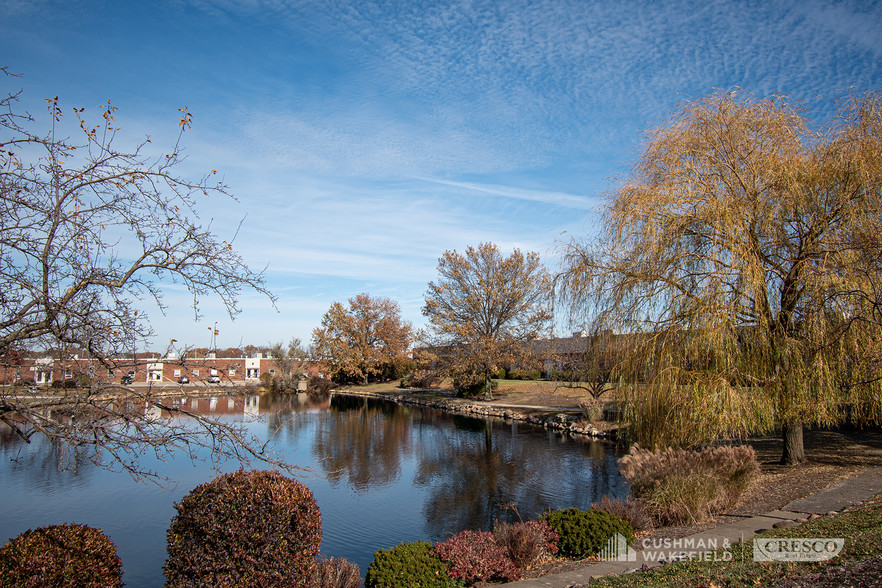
[834,498]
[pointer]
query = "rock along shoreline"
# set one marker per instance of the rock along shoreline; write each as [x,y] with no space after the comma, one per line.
[550,418]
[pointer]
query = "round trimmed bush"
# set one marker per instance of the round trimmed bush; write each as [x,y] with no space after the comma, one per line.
[255,528]
[65,556]
[408,564]
[583,533]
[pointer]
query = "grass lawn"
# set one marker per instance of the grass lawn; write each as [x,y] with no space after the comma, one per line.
[861,529]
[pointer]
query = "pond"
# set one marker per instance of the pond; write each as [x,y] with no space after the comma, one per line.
[384,474]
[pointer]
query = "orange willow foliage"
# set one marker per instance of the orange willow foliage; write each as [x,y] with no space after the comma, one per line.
[484,306]
[743,250]
[365,340]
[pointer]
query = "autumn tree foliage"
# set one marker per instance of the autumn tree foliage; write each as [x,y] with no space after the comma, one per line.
[484,307]
[88,231]
[366,340]
[742,253]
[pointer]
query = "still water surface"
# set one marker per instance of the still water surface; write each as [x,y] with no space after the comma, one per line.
[385,474]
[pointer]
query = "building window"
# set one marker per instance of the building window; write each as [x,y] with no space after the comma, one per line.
[272,372]
[232,372]
[196,372]
[177,373]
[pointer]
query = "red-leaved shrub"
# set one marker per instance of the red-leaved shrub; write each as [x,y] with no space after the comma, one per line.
[62,556]
[474,556]
[254,528]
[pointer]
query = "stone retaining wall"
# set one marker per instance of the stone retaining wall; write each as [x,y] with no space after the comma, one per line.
[560,421]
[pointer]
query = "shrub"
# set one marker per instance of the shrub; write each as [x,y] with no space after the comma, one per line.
[420,379]
[466,389]
[525,374]
[474,556]
[319,386]
[501,373]
[630,510]
[679,486]
[244,528]
[335,572]
[583,533]
[67,555]
[592,410]
[266,380]
[408,564]
[527,543]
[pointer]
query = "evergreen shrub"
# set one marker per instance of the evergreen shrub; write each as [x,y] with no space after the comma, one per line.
[408,564]
[470,389]
[255,528]
[61,556]
[583,533]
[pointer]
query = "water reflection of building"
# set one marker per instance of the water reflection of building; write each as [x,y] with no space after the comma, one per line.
[144,367]
[245,404]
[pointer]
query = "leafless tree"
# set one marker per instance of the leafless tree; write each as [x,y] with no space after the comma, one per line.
[484,307]
[87,233]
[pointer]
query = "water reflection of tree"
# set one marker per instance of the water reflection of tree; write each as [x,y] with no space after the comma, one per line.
[363,441]
[46,464]
[475,471]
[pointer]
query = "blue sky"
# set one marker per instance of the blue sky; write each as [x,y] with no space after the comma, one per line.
[363,139]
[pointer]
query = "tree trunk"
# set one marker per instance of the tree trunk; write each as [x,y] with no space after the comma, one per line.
[794,449]
[488,389]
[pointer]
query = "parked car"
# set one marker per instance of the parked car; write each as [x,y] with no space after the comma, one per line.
[183,380]
[127,379]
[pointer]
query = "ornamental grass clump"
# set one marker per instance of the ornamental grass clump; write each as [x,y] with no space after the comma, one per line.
[629,509]
[476,556]
[679,486]
[408,564]
[255,528]
[526,544]
[583,533]
[61,556]
[335,572]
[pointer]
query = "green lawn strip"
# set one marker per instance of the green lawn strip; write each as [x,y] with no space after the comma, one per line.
[861,529]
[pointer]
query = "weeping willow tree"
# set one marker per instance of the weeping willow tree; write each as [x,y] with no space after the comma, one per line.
[740,260]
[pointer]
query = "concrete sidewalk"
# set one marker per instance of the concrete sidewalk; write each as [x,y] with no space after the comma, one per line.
[834,498]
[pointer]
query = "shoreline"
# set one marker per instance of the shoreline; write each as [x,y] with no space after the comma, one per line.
[556,418]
